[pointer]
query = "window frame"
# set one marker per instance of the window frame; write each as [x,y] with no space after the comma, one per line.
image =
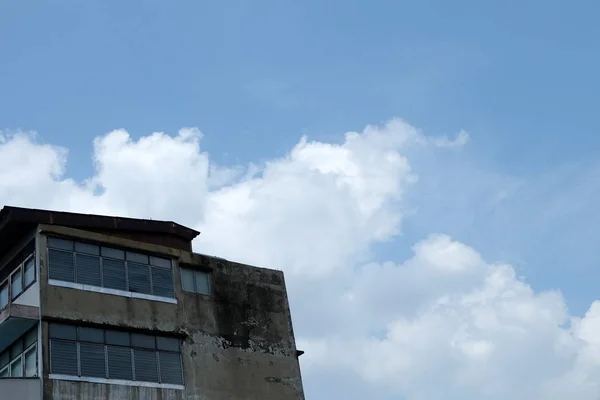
[5,284]
[31,257]
[13,276]
[157,348]
[195,272]
[31,349]
[19,269]
[21,357]
[107,253]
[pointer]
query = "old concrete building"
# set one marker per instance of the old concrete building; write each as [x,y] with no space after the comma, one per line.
[95,307]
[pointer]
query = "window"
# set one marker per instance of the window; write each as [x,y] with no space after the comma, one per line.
[112,354]
[3,295]
[31,362]
[29,271]
[100,266]
[18,280]
[195,281]
[16,368]
[20,359]
[16,285]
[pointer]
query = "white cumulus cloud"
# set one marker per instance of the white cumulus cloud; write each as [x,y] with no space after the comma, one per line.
[443,324]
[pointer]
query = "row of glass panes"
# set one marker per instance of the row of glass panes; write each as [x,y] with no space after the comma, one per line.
[109,336]
[20,359]
[117,254]
[18,281]
[192,280]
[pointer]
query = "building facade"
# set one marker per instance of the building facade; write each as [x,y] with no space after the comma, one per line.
[95,307]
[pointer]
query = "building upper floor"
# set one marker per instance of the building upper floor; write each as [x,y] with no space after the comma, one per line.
[140,273]
[101,277]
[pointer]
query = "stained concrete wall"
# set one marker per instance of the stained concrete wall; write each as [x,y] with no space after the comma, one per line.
[65,390]
[238,343]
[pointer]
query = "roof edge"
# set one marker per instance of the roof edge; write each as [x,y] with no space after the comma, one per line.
[66,218]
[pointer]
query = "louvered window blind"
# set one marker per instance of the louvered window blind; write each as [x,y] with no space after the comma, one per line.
[107,267]
[111,354]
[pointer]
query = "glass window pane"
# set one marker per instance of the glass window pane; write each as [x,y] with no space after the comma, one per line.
[4,373]
[87,248]
[61,265]
[170,368]
[146,365]
[113,274]
[139,278]
[119,338]
[16,349]
[29,271]
[16,284]
[59,331]
[113,253]
[16,368]
[169,344]
[63,357]
[162,282]
[88,269]
[91,335]
[146,341]
[120,365]
[4,359]
[92,360]
[160,262]
[62,244]
[202,282]
[3,295]
[31,363]
[187,279]
[31,337]
[137,257]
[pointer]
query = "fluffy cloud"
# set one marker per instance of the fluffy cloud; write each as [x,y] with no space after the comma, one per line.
[443,324]
[317,209]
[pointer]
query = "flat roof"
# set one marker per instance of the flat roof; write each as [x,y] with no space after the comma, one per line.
[15,222]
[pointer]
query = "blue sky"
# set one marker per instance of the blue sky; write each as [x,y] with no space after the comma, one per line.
[520,77]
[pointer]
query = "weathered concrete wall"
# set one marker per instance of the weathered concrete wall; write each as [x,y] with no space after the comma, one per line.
[238,342]
[152,238]
[64,390]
